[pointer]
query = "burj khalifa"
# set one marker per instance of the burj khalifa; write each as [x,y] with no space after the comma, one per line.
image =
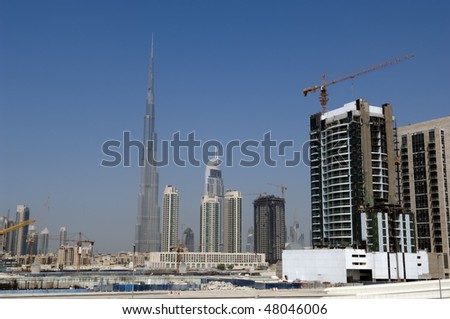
[147,236]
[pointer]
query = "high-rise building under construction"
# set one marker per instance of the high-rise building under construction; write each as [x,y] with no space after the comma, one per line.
[354,182]
[269,227]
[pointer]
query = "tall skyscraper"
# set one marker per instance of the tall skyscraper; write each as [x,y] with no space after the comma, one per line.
[353,180]
[210,224]
[147,236]
[212,207]
[43,242]
[269,227]
[424,160]
[170,213]
[22,214]
[232,222]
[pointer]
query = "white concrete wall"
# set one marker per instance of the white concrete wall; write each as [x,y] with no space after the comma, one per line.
[315,265]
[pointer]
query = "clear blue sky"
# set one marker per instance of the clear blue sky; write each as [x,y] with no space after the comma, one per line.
[73,74]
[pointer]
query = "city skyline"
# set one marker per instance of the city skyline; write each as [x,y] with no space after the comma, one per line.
[224,71]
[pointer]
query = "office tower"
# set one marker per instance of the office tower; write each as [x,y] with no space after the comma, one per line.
[22,214]
[232,222]
[62,236]
[424,162]
[269,227]
[170,213]
[210,224]
[188,239]
[250,246]
[147,236]
[353,180]
[43,242]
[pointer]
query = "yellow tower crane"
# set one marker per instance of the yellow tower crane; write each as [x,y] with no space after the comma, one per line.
[17,226]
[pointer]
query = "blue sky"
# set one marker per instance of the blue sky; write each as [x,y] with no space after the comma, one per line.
[73,75]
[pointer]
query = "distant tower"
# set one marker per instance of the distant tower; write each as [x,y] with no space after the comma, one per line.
[22,214]
[147,237]
[210,224]
[10,240]
[294,232]
[32,240]
[270,228]
[250,247]
[43,242]
[5,240]
[232,222]
[170,213]
[62,236]
[188,239]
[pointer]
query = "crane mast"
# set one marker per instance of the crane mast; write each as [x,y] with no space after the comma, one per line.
[323,87]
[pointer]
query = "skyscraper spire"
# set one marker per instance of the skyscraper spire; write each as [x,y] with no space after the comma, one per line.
[147,237]
[150,86]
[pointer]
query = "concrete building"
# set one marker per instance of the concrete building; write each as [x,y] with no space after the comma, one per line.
[170,215]
[72,257]
[232,222]
[353,265]
[148,223]
[172,260]
[269,227]
[424,160]
[353,172]
[210,224]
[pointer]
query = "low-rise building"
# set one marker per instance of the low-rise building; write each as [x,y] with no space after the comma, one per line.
[199,260]
[353,265]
